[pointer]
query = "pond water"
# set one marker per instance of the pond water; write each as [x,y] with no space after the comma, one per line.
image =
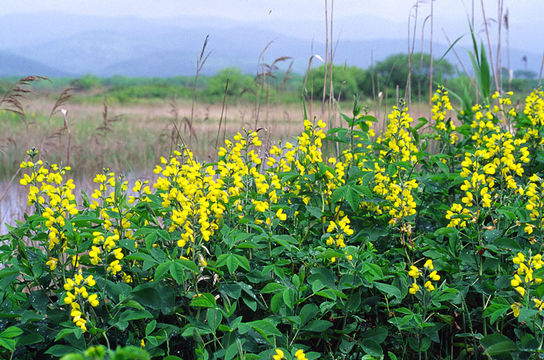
[13,199]
[12,204]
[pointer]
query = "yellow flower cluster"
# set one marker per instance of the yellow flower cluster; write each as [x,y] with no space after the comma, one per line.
[53,198]
[428,275]
[76,294]
[396,145]
[441,105]
[340,228]
[534,111]
[496,163]
[526,270]
[535,203]
[524,278]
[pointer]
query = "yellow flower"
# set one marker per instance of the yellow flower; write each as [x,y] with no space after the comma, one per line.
[279,355]
[520,290]
[429,286]
[515,308]
[434,276]
[413,289]
[516,281]
[414,272]
[281,215]
[93,300]
[300,355]
[539,304]
[429,265]
[519,258]
[52,263]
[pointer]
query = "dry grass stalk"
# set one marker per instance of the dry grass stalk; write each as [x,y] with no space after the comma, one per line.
[326,58]
[223,112]
[200,61]
[412,39]
[62,99]
[431,53]
[491,57]
[540,73]
[507,28]
[11,101]
[260,79]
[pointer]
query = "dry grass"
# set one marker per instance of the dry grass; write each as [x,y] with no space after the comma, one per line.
[130,139]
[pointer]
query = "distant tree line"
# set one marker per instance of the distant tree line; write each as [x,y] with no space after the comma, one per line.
[385,77]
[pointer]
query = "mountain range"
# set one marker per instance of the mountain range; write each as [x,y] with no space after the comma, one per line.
[55,45]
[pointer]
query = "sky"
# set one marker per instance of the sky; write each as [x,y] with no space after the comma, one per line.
[304,19]
[354,19]
[268,9]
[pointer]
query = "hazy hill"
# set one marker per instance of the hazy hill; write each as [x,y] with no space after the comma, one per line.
[14,65]
[131,46]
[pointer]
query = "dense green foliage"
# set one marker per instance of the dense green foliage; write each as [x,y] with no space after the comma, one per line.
[397,245]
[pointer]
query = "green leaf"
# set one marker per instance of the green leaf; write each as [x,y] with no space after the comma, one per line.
[329,254]
[388,290]
[149,328]
[497,344]
[265,327]
[8,344]
[147,295]
[378,334]
[308,312]
[39,301]
[161,270]
[11,332]
[371,347]
[214,318]
[272,288]
[314,211]
[288,297]
[189,265]
[276,302]
[130,315]
[232,263]
[317,326]
[496,309]
[204,300]
[242,261]
[67,331]
[231,351]
[176,270]
[352,197]
[60,350]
